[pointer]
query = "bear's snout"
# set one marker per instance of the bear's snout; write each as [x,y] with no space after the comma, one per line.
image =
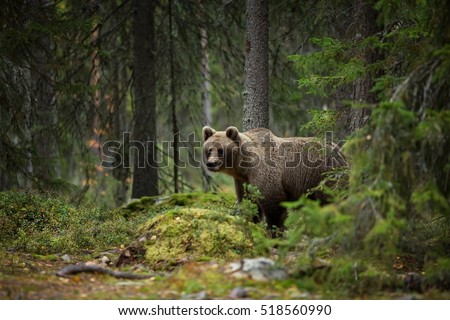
[213,165]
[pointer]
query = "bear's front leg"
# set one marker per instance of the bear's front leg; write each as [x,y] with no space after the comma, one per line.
[275,216]
[239,188]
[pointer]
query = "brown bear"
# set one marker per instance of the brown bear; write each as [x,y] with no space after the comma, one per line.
[281,168]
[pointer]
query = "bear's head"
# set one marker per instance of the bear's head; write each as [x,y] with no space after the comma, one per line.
[221,148]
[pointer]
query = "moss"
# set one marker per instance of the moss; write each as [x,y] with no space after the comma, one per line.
[160,204]
[197,234]
[140,204]
[36,223]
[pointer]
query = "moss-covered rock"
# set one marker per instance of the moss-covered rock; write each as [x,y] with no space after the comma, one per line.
[184,234]
[160,204]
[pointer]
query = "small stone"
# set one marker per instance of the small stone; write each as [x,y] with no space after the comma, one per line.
[66,258]
[127,253]
[105,260]
[260,269]
[202,295]
[238,293]
[302,295]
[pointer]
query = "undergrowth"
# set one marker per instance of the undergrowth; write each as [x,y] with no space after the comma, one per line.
[396,207]
[36,223]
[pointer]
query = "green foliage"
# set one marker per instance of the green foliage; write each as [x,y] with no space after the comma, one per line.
[248,208]
[394,204]
[398,187]
[428,198]
[356,277]
[437,273]
[322,121]
[314,230]
[397,201]
[307,218]
[36,223]
[326,70]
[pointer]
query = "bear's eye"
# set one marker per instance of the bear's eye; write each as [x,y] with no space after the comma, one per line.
[209,151]
[220,152]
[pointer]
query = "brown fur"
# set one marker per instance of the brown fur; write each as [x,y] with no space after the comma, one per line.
[281,168]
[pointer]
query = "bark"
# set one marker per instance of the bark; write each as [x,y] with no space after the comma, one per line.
[173,105]
[27,110]
[47,164]
[206,97]
[206,84]
[16,145]
[256,91]
[119,126]
[365,25]
[95,143]
[44,113]
[145,176]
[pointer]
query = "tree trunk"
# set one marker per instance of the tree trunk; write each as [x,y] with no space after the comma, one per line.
[173,105]
[120,125]
[46,161]
[95,142]
[365,25]
[45,141]
[256,91]
[206,84]
[145,176]
[206,97]
[16,149]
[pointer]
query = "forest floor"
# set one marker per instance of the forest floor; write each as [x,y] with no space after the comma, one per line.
[26,276]
[193,247]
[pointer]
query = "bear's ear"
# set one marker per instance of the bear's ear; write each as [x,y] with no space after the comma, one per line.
[207,132]
[232,133]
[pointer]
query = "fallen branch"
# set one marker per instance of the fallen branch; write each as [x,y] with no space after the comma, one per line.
[80,268]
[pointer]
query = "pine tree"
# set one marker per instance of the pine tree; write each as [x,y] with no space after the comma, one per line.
[256,92]
[145,176]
